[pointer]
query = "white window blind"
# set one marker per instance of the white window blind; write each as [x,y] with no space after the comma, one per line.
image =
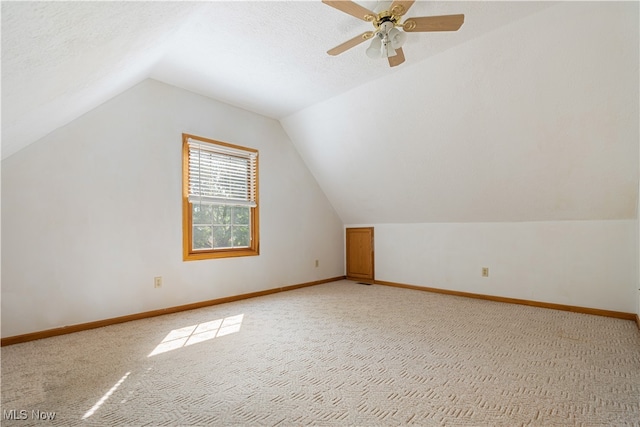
[221,175]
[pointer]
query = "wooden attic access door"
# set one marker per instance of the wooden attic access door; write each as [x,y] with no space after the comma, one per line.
[360,254]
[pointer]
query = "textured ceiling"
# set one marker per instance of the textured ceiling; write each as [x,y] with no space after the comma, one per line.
[61,59]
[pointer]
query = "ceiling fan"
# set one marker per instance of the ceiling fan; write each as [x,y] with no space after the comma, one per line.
[387,39]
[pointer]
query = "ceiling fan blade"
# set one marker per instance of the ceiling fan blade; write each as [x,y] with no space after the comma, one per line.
[352,9]
[397,59]
[350,43]
[400,7]
[433,23]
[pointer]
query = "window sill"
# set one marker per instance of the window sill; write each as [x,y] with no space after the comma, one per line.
[229,253]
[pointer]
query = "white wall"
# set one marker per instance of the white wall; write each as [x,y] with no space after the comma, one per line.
[580,263]
[92,212]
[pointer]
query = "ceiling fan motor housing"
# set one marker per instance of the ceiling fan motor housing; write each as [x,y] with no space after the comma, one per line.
[386,26]
[386,20]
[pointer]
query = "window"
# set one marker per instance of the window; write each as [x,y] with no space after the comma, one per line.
[219,199]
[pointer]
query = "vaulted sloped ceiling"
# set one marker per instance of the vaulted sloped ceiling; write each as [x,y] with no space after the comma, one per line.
[535,121]
[61,59]
[528,113]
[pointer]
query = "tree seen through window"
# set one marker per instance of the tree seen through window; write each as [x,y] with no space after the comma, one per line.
[220,226]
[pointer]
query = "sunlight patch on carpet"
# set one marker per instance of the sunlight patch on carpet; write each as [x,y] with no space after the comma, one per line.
[106,396]
[200,332]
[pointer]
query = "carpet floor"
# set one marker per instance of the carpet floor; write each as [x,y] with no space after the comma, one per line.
[337,354]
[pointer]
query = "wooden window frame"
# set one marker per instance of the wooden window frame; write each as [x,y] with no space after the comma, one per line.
[189,254]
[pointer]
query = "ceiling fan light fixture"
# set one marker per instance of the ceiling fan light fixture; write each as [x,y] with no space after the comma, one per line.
[388,50]
[397,38]
[374,51]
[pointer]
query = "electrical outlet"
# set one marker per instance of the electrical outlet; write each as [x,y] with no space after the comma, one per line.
[485,271]
[157,282]
[317,263]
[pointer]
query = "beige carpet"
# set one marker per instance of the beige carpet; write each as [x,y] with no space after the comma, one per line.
[338,354]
